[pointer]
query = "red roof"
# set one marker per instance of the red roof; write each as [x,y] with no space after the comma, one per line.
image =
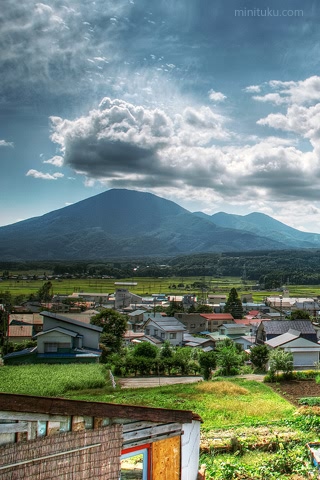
[20,331]
[217,316]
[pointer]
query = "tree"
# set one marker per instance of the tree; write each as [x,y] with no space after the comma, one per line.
[166,350]
[228,357]
[6,301]
[259,355]
[145,349]
[44,293]
[207,362]
[280,360]
[114,326]
[299,315]
[233,304]
[173,308]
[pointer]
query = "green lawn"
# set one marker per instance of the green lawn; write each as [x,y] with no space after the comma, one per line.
[51,380]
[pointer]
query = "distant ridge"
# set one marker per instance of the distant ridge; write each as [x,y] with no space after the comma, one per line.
[127,223]
[266,226]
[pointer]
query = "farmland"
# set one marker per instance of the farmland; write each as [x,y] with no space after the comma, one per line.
[173,286]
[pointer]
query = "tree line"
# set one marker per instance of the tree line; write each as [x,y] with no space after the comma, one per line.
[271,269]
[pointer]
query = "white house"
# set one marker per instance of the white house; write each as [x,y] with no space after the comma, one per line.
[165,328]
[305,353]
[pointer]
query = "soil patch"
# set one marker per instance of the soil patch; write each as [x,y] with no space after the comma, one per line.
[293,390]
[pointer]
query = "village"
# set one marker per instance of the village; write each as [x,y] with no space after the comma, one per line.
[62,330]
[106,439]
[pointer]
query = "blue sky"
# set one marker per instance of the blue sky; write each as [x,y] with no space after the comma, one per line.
[212,104]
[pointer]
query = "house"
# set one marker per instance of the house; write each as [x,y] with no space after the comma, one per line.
[273,328]
[165,328]
[20,333]
[216,299]
[194,322]
[63,340]
[215,320]
[56,438]
[233,330]
[246,341]
[133,337]
[205,344]
[136,320]
[305,353]
[23,326]
[123,298]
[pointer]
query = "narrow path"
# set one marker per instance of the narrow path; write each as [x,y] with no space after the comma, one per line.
[140,382]
[145,382]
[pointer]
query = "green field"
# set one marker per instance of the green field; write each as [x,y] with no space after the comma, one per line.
[51,380]
[147,286]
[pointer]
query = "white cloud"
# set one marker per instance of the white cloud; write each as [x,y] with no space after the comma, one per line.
[302,92]
[300,120]
[44,176]
[253,89]
[57,161]
[4,143]
[216,96]
[271,97]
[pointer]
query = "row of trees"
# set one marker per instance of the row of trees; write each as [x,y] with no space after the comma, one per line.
[273,268]
[226,360]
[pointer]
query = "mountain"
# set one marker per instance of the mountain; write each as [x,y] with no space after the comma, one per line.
[265,226]
[123,223]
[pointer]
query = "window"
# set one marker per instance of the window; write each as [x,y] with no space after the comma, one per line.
[193,325]
[173,336]
[136,463]
[155,331]
[147,331]
[162,335]
[50,347]
[54,347]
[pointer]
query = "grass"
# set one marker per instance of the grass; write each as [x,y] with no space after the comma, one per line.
[51,380]
[220,404]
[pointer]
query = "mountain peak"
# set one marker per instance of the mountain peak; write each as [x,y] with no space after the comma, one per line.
[129,223]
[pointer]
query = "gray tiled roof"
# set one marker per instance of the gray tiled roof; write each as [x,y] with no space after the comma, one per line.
[278,327]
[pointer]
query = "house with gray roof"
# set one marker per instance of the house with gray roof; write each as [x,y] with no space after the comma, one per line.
[63,340]
[273,328]
[206,344]
[305,353]
[165,328]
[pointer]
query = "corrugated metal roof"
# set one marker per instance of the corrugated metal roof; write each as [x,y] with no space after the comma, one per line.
[20,330]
